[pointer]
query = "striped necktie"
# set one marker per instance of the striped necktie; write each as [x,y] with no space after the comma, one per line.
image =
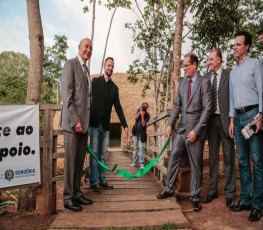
[85,67]
[86,71]
[214,93]
[189,89]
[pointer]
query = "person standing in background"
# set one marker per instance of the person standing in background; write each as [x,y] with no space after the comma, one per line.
[139,135]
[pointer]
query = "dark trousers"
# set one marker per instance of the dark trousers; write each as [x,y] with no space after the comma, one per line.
[216,136]
[75,150]
[195,153]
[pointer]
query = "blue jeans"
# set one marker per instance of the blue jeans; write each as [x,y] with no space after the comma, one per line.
[141,152]
[99,139]
[254,147]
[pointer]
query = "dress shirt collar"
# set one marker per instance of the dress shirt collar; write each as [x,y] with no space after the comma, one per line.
[239,62]
[81,61]
[194,78]
[218,72]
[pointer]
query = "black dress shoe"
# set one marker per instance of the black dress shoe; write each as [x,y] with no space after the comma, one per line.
[164,195]
[106,185]
[240,207]
[230,202]
[83,200]
[73,206]
[197,206]
[94,188]
[209,198]
[255,215]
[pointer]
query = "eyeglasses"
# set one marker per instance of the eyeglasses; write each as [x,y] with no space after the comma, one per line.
[186,65]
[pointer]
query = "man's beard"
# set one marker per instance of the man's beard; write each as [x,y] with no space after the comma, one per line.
[109,73]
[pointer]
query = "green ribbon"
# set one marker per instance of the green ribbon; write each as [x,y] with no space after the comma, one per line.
[147,167]
[99,162]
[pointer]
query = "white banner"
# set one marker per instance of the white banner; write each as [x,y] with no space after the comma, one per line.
[19,145]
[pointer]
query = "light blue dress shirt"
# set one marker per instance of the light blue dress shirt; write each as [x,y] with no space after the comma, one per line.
[246,84]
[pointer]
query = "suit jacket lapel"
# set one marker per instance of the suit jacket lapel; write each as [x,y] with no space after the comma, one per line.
[196,84]
[185,88]
[81,73]
[222,80]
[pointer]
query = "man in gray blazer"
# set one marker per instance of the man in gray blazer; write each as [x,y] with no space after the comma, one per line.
[193,101]
[76,98]
[218,130]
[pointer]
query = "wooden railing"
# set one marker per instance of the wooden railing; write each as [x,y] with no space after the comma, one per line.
[49,153]
[46,190]
[156,139]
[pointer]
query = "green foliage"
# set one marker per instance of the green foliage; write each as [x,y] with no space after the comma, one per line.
[215,23]
[110,4]
[153,36]
[13,77]
[5,204]
[54,58]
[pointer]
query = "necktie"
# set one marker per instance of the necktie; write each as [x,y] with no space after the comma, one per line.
[189,89]
[86,71]
[214,93]
[85,67]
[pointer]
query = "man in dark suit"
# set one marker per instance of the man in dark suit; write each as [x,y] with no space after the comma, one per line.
[105,94]
[76,97]
[218,130]
[193,101]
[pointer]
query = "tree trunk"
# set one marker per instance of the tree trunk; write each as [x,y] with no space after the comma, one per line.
[107,39]
[177,50]
[27,197]
[93,24]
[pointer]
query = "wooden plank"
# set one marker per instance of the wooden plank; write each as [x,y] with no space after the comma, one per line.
[159,117]
[92,220]
[47,167]
[158,165]
[50,107]
[132,206]
[57,132]
[19,187]
[120,197]
[156,134]
[58,155]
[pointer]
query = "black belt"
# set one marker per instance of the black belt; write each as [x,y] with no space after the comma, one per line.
[245,109]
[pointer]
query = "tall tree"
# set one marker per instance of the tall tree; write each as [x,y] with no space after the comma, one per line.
[177,48]
[153,36]
[216,22]
[13,77]
[27,197]
[54,59]
[110,4]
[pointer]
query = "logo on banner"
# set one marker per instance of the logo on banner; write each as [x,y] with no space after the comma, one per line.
[9,175]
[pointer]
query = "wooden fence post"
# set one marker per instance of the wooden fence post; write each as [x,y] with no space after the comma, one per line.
[46,196]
